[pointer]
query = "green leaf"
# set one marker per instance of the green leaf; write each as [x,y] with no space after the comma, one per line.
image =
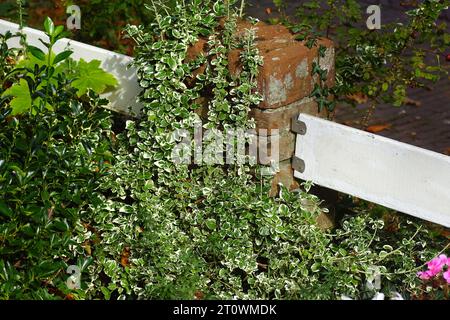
[211,224]
[5,210]
[58,31]
[171,62]
[37,53]
[218,8]
[21,102]
[49,27]
[91,76]
[62,56]
[106,293]
[315,267]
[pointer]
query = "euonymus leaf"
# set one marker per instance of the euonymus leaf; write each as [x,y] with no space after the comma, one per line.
[91,76]
[211,224]
[37,53]
[171,62]
[315,267]
[22,99]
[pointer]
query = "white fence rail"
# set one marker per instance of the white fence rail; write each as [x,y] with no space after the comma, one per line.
[394,174]
[123,97]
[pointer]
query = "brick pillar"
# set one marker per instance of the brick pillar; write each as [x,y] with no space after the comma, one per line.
[286,83]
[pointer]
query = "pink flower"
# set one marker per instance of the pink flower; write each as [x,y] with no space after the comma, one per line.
[424,275]
[435,265]
[447,276]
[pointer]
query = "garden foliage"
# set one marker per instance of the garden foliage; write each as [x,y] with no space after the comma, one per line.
[54,143]
[378,65]
[185,231]
[140,226]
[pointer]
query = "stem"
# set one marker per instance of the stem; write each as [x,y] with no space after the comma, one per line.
[241,10]
[158,19]
[20,7]
[368,116]
[49,65]
[22,35]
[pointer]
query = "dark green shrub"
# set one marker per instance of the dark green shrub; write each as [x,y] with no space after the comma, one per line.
[54,145]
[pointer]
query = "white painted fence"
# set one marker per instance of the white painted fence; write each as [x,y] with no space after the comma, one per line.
[123,97]
[397,175]
[371,167]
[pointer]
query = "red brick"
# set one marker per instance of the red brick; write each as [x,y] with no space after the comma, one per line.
[286,146]
[193,53]
[284,176]
[286,74]
[264,31]
[280,118]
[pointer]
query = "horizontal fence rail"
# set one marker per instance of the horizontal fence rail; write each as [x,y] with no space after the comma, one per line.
[374,168]
[123,97]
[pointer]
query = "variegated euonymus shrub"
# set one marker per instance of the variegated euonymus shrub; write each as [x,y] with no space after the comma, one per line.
[167,230]
[74,196]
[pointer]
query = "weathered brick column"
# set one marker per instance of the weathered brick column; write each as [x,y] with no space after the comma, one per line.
[286,83]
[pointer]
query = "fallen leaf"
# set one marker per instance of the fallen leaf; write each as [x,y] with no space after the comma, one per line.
[199,295]
[348,123]
[10,60]
[50,212]
[262,266]
[359,97]
[378,128]
[268,10]
[445,233]
[412,102]
[447,151]
[87,248]
[124,259]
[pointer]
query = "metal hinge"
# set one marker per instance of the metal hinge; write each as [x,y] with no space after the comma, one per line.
[298,164]
[298,126]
